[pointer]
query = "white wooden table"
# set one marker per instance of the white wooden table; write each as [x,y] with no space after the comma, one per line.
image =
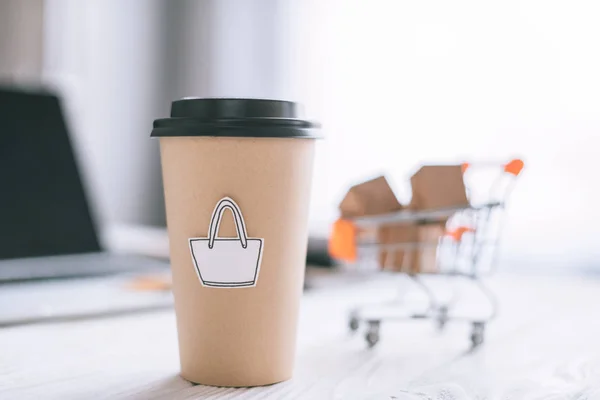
[545,344]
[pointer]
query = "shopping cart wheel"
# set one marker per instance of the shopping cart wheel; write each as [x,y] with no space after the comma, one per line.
[442,318]
[372,336]
[477,334]
[353,323]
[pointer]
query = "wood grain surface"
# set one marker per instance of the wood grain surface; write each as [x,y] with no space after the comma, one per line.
[544,345]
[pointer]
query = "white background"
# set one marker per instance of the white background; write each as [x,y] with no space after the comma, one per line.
[439,81]
[395,83]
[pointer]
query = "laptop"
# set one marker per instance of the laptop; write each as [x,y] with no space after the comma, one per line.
[47,230]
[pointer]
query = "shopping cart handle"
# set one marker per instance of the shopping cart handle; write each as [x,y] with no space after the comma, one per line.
[514,167]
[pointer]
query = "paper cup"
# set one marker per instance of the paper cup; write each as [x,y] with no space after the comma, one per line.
[237,176]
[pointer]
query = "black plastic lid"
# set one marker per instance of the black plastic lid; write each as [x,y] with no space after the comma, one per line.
[234,118]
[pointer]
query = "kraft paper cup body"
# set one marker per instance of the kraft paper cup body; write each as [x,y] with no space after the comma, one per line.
[238,336]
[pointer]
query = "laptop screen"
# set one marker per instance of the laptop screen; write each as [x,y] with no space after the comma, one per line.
[43,209]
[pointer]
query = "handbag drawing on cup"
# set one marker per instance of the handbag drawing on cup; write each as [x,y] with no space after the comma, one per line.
[227,262]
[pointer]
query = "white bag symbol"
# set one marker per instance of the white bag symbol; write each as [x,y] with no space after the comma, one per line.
[227,262]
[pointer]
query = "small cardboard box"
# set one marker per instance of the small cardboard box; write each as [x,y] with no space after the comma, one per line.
[397,260]
[434,187]
[372,197]
[438,187]
[420,255]
[369,198]
[424,259]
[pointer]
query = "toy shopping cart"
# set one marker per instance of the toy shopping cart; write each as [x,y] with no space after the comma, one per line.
[464,247]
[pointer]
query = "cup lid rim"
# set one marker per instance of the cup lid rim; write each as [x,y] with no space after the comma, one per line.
[235,117]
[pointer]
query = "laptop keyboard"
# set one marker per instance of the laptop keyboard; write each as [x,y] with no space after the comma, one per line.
[73,266]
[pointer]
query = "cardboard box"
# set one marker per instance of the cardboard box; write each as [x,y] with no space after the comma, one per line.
[369,198]
[438,186]
[372,197]
[434,187]
[396,260]
[424,258]
[420,253]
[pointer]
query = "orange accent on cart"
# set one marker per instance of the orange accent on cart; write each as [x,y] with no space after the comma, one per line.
[342,243]
[514,167]
[458,233]
[464,167]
